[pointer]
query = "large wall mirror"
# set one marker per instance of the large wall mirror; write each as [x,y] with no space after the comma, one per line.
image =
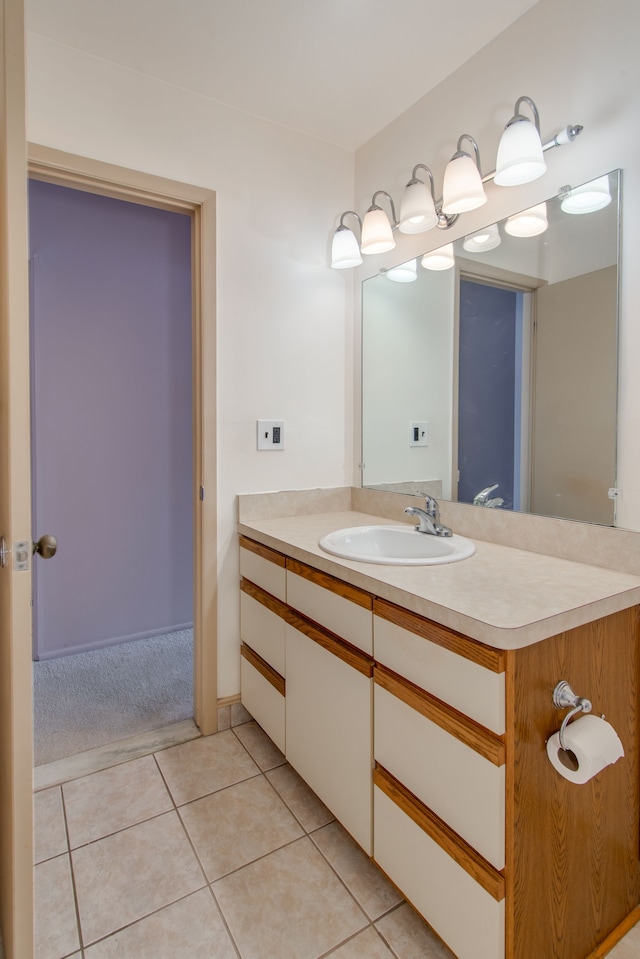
[494,380]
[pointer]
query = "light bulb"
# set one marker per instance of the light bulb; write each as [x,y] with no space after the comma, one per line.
[440,259]
[345,251]
[530,222]
[520,158]
[377,236]
[417,210]
[588,197]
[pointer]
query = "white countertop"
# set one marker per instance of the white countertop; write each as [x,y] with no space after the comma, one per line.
[504,597]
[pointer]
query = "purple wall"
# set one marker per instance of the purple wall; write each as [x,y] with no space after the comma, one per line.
[111,422]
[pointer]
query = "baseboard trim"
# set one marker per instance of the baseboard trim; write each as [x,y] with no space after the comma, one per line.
[113,641]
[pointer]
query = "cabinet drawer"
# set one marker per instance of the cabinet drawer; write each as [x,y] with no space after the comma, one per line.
[340,614]
[265,703]
[264,567]
[328,731]
[262,628]
[461,786]
[462,912]
[473,689]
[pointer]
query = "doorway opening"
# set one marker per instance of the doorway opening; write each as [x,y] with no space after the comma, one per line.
[493,419]
[111,387]
[183,592]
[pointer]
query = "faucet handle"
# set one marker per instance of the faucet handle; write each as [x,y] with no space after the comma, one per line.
[431,506]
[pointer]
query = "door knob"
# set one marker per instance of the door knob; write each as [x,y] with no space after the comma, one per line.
[46,546]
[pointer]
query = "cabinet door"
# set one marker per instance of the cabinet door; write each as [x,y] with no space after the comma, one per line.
[329,729]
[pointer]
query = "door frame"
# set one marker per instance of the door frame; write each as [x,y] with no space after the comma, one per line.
[94,176]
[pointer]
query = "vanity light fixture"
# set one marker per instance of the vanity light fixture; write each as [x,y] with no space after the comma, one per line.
[483,240]
[440,259]
[520,158]
[462,189]
[377,234]
[404,273]
[531,222]
[345,251]
[418,207]
[586,198]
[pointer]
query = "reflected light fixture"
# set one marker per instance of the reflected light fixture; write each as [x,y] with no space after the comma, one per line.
[440,259]
[345,251]
[404,273]
[377,231]
[418,207]
[587,198]
[531,222]
[520,158]
[483,240]
[462,189]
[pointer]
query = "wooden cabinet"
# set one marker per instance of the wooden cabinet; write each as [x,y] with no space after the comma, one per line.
[434,745]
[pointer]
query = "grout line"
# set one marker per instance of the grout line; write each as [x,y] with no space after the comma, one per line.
[334,949]
[223,919]
[73,874]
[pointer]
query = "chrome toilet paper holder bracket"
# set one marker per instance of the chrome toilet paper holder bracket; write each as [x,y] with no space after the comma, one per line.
[563,697]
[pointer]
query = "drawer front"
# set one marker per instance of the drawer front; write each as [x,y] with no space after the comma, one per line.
[263,630]
[264,702]
[328,731]
[263,572]
[469,920]
[337,614]
[474,690]
[456,782]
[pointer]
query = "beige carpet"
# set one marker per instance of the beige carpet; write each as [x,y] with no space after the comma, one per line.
[91,699]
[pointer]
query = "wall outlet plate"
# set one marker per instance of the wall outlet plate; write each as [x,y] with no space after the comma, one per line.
[418,433]
[270,435]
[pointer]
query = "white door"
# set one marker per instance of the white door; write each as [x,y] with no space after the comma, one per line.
[16,817]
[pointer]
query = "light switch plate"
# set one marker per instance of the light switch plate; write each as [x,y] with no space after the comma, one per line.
[270,434]
[418,433]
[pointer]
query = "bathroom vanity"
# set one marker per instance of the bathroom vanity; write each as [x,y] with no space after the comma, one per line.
[417,702]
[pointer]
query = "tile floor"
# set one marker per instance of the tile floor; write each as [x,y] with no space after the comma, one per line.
[213,849]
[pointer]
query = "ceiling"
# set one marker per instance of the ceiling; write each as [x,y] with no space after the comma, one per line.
[339,70]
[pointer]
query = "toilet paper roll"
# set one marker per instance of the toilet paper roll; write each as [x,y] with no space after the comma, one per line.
[594,743]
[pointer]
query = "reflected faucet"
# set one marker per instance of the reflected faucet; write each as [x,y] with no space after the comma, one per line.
[429,518]
[482,498]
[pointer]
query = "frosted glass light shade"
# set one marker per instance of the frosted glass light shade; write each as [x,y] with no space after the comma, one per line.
[483,240]
[441,259]
[530,222]
[588,197]
[417,210]
[377,236]
[520,157]
[345,251]
[462,189]
[404,273]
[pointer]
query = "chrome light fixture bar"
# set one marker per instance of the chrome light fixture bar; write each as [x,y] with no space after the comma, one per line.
[520,159]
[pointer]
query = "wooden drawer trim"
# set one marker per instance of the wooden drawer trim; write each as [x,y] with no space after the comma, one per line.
[344,651]
[265,599]
[472,734]
[454,845]
[263,667]
[352,593]
[492,659]
[264,551]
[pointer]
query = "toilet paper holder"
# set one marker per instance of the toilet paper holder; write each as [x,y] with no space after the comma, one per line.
[563,697]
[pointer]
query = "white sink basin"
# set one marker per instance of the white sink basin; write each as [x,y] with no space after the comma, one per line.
[396,546]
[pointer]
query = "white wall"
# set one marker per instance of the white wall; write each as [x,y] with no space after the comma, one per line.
[284,334]
[406,371]
[578,60]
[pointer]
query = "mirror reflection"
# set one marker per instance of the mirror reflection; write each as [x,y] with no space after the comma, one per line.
[490,369]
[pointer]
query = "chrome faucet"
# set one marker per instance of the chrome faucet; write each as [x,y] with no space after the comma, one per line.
[482,498]
[429,518]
